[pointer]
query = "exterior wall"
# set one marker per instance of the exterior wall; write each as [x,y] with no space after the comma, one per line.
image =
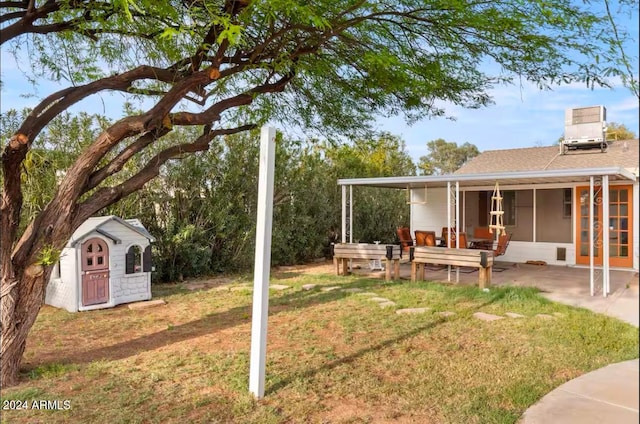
[551,224]
[63,292]
[521,251]
[431,216]
[523,230]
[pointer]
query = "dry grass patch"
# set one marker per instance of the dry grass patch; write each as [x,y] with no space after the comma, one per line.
[333,357]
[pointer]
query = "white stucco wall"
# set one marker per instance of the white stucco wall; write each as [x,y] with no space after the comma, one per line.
[63,292]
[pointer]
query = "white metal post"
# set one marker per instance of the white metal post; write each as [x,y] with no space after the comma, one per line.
[262,262]
[605,235]
[344,214]
[535,212]
[457,200]
[350,214]
[590,245]
[448,225]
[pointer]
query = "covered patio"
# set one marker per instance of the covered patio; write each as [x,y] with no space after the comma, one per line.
[444,201]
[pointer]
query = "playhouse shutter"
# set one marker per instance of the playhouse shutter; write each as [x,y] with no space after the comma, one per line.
[130,261]
[146,259]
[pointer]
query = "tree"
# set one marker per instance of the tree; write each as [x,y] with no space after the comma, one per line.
[227,66]
[617,131]
[446,157]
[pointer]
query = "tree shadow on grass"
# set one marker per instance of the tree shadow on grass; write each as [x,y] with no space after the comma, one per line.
[208,325]
[283,382]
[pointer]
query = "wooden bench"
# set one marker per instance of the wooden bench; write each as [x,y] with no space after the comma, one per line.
[342,252]
[481,259]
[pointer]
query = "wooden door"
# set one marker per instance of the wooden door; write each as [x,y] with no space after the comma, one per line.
[95,272]
[620,226]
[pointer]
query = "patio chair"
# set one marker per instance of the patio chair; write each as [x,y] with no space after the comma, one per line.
[482,233]
[501,249]
[404,235]
[445,242]
[425,238]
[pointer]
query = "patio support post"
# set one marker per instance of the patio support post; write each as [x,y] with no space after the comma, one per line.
[590,245]
[457,200]
[448,225]
[350,214]
[344,214]
[534,215]
[262,262]
[605,235]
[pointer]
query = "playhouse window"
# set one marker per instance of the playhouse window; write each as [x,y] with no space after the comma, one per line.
[134,260]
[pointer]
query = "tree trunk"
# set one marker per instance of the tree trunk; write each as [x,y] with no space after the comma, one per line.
[21,301]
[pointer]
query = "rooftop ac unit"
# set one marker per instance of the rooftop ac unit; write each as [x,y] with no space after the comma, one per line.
[584,128]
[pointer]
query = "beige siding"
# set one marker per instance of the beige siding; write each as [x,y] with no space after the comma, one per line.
[551,225]
[523,230]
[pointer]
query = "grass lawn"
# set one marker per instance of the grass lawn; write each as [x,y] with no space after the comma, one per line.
[333,356]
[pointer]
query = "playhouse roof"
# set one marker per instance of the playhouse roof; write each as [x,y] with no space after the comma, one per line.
[94,223]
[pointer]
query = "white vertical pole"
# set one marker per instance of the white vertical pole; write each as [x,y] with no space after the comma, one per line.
[448,225]
[350,214]
[262,262]
[605,235]
[344,214]
[590,245]
[457,200]
[535,212]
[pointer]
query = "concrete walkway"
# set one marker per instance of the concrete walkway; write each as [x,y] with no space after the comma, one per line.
[607,395]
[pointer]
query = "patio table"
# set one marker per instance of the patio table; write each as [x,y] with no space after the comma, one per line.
[474,242]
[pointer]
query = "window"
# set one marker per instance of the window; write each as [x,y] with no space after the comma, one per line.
[133,260]
[567,204]
[509,207]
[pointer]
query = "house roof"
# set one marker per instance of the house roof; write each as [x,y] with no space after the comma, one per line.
[622,153]
[94,223]
[534,165]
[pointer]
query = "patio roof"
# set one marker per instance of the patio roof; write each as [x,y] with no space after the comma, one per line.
[489,179]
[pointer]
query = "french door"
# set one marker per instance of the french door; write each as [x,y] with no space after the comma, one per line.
[620,226]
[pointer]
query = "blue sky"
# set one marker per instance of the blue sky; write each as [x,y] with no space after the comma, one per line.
[522,116]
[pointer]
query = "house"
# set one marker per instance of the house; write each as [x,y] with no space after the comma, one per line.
[547,193]
[106,262]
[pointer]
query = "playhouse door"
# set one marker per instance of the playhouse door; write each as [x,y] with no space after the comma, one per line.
[95,272]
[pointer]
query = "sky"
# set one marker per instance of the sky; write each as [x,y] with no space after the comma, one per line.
[521,116]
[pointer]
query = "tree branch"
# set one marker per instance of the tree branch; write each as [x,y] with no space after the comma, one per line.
[109,195]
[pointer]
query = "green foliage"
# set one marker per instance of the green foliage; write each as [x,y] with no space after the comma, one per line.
[446,157]
[617,131]
[49,255]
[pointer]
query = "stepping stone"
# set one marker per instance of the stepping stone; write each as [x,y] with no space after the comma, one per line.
[387,304]
[487,317]
[328,289]
[446,313]
[239,288]
[412,311]
[194,286]
[147,304]
[278,287]
[513,315]
[309,286]
[222,288]
[367,294]
[545,316]
[558,314]
[353,290]
[379,299]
